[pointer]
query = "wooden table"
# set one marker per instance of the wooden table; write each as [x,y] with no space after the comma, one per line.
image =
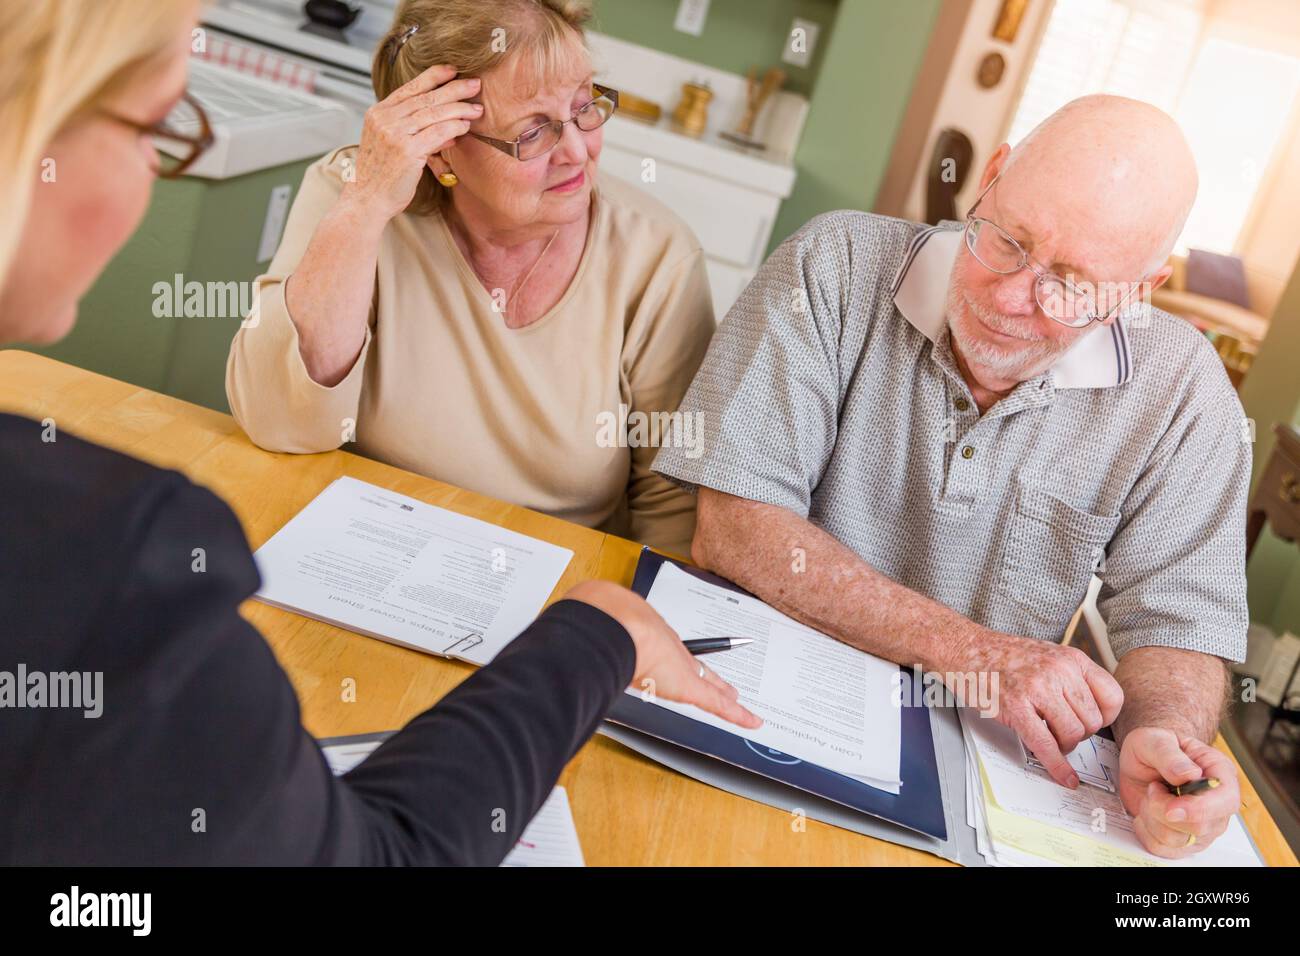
[628,809]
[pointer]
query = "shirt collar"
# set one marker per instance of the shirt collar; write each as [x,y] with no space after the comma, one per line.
[1099,359]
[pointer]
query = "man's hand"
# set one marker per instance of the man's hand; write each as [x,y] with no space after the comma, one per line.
[1054,697]
[1152,757]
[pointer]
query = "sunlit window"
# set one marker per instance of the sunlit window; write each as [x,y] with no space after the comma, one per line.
[1234,109]
[1233,101]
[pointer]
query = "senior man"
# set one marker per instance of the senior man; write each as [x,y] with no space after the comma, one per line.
[925,441]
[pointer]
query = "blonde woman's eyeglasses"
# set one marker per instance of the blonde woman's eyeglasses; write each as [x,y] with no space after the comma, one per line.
[180,138]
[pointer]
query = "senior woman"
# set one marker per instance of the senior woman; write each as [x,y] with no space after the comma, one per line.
[464,294]
[95,561]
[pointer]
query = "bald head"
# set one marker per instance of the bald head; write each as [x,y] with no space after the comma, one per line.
[1108,166]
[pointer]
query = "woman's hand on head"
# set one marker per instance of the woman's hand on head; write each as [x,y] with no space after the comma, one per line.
[402,131]
[664,667]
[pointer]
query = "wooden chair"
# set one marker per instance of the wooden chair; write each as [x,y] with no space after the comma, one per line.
[1277,493]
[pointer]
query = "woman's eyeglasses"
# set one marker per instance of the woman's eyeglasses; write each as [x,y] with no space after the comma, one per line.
[540,140]
[179,139]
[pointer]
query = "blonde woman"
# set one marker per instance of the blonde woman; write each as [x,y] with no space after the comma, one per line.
[468,297]
[192,709]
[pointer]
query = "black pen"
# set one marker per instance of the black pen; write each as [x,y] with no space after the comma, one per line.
[709,645]
[1193,786]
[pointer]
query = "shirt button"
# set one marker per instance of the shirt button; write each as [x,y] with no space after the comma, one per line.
[968,452]
[962,404]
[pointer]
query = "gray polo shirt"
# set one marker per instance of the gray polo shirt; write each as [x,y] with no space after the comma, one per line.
[830,389]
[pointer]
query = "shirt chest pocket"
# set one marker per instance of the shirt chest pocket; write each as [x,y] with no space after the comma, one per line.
[1052,549]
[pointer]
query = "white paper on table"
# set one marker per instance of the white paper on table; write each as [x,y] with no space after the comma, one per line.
[1085,759]
[395,568]
[550,839]
[1026,793]
[821,700]
[343,757]
[1000,854]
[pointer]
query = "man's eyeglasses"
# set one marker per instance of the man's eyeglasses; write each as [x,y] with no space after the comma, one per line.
[540,140]
[1067,302]
[180,138]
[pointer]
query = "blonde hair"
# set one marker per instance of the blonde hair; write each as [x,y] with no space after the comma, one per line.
[59,59]
[475,37]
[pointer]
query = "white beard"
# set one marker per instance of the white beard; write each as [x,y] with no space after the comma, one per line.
[1014,363]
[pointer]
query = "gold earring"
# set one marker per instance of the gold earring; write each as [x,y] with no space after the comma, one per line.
[448,179]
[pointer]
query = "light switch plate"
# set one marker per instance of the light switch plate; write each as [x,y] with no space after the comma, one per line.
[691,15]
[801,42]
[276,212]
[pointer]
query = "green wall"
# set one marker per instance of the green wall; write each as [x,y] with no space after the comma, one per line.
[116,332]
[207,231]
[858,84]
[1271,393]
[862,91]
[737,34]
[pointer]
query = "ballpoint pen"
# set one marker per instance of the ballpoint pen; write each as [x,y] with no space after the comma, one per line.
[1192,786]
[709,645]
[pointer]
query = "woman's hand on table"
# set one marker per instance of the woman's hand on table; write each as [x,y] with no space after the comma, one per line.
[664,667]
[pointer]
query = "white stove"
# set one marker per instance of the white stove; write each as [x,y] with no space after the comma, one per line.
[282,25]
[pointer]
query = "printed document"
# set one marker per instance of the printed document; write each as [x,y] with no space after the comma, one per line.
[392,567]
[821,700]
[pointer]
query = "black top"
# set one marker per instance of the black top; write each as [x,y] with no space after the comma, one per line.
[199,756]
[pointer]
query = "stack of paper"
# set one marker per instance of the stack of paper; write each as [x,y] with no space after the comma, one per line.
[1022,817]
[550,839]
[821,701]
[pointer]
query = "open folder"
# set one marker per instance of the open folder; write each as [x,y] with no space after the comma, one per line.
[853,768]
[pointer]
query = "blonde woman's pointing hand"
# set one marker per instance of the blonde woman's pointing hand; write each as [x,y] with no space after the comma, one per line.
[664,667]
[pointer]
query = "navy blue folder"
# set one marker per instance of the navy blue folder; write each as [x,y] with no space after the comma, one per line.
[918,805]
